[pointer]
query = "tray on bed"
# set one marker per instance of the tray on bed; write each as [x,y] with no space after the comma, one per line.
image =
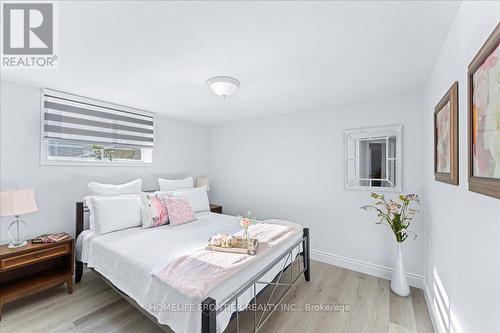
[238,247]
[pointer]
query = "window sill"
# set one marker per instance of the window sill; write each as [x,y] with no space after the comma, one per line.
[95,163]
[396,189]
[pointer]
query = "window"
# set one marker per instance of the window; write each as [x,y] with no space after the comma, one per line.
[373,158]
[77,130]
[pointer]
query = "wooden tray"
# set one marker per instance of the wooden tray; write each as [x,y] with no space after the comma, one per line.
[238,247]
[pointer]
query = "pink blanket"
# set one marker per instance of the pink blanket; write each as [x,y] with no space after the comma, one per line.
[197,273]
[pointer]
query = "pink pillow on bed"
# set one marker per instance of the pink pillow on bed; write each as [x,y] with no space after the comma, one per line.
[154,211]
[179,210]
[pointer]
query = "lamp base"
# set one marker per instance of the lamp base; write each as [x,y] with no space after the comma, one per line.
[16,231]
[14,245]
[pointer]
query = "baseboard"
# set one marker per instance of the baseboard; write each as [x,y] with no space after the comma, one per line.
[414,280]
[430,307]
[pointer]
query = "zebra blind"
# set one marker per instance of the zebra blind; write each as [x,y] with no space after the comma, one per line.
[70,117]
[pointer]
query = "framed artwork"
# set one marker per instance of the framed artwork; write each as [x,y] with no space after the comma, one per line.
[484,118]
[446,137]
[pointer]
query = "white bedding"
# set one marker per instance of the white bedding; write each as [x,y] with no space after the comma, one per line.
[82,245]
[127,258]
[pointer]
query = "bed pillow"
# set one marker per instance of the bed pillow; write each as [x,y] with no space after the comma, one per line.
[110,190]
[154,211]
[197,197]
[167,185]
[114,213]
[179,211]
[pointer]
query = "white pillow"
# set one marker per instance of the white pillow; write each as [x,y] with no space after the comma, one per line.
[197,198]
[167,185]
[108,214]
[110,190]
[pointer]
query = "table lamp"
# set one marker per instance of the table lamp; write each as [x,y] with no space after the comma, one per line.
[16,202]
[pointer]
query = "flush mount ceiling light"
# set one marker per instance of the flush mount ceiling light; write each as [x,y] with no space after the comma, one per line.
[223,86]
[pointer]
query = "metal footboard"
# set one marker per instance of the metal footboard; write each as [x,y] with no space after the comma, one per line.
[210,310]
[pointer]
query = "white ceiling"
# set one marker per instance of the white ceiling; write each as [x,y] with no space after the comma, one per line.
[289,55]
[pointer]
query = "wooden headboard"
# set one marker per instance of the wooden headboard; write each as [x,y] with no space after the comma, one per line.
[81,209]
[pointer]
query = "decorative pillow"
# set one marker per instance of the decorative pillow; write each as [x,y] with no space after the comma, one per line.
[110,190]
[197,197]
[175,184]
[154,211]
[179,211]
[114,213]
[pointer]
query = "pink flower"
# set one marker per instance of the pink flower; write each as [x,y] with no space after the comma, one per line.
[245,222]
[393,207]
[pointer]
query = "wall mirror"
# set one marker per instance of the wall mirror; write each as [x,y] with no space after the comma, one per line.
[373,158]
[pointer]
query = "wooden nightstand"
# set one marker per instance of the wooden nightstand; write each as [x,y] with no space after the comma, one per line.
[216,209]
[33,268]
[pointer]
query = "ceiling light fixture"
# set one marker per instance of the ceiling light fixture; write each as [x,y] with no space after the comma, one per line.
[223,86]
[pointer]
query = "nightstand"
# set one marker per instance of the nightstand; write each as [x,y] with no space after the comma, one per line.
[216,209]
[33,268]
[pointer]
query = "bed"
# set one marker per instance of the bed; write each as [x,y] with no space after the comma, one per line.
[125,259]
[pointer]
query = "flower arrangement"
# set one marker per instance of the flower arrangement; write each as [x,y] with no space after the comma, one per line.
[397,215]
[245,222]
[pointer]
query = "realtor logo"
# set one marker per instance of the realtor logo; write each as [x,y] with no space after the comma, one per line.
[28,29]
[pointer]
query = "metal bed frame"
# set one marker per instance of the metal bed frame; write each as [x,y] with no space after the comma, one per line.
[209,308]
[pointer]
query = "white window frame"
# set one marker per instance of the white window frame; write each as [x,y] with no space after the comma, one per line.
[398,130]
[44,158]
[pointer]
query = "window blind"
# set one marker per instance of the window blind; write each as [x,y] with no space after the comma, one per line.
[69,117]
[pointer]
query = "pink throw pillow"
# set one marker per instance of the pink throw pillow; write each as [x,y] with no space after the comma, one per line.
[179,210]
[154,211]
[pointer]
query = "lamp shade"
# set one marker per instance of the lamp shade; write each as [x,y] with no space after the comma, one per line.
[17,202]
[202,181]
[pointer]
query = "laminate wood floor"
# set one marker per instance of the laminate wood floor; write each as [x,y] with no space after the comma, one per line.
[356,303]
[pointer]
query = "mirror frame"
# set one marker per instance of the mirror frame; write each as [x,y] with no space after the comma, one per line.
[398,130]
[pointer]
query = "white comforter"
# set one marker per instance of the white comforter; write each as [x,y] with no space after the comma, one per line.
[128,257]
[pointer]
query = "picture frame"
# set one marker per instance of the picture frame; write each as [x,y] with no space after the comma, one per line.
[483,113]
[446,137]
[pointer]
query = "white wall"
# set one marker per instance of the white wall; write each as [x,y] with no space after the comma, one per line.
[463,228]
[292,167]
[182,148]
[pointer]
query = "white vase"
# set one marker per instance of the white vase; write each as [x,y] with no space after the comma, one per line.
[399,283]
